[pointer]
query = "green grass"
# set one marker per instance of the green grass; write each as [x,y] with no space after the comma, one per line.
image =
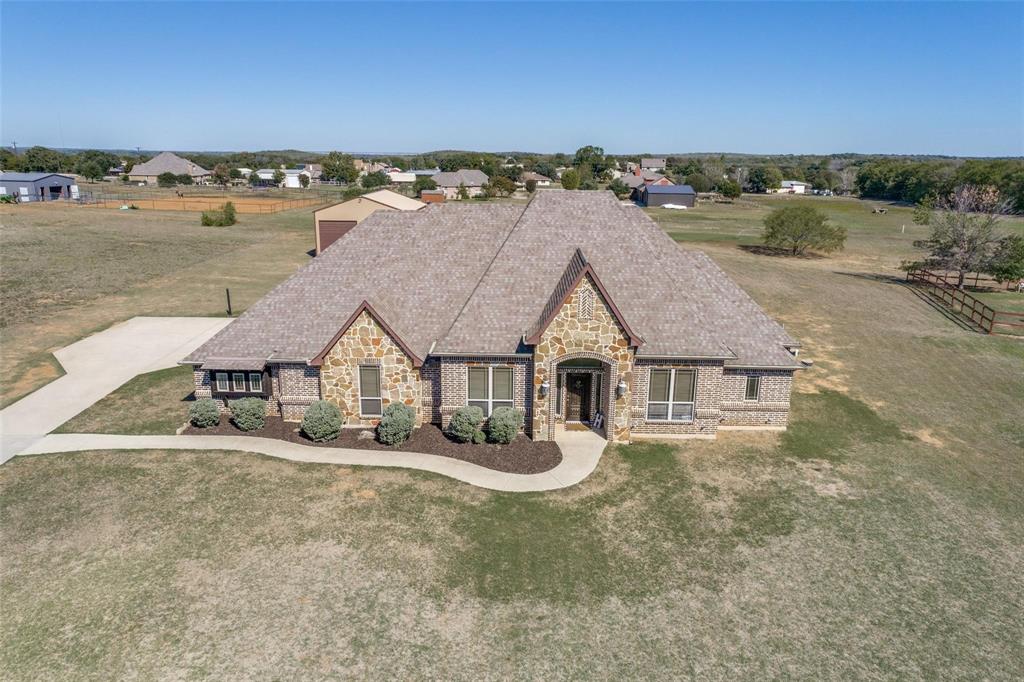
[880,537]
[154,403]
[1005,301]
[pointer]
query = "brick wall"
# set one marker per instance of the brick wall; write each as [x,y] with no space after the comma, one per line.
[707,398]
[771,409]
[203,380]
[452,384]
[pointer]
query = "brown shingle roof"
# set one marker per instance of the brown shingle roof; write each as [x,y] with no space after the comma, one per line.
[476,278]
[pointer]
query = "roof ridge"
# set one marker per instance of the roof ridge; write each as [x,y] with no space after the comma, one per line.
[476,286]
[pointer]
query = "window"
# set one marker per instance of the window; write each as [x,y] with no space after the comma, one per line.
[256,382]
[369,391]
[670,395]
[490,388]
[753,388]
[222,381]
[238,381]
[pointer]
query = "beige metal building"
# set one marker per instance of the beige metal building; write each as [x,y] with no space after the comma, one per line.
[331,223]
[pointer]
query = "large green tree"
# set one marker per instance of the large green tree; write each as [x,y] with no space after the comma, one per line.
[798,229]
[378,179]
[764,178]
[339,167]
[570,179]
[43,160]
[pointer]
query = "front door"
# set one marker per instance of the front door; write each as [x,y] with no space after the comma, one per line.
[577,399]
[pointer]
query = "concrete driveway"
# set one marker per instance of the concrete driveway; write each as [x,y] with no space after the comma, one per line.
[96,366]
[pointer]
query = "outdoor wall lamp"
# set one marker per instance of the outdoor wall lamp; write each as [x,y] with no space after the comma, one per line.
[544,388]
[620,390]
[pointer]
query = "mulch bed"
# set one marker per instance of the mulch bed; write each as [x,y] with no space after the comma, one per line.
[521,456]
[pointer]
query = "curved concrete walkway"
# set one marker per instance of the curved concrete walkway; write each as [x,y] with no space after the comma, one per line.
[581,451]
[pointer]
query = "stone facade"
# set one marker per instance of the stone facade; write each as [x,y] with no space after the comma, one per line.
[366,343]
[585,327]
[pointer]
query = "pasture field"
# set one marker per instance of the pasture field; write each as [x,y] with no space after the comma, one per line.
[880,537]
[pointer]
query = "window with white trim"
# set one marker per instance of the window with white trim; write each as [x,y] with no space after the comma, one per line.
[256,382]
[238,382]
[222,381]
[370,403]
[670,395]
[490,388]
[753,389]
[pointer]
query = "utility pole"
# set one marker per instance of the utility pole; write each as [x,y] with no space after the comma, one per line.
[14,144]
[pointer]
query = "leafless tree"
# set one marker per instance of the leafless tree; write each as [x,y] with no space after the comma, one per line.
[964,237]
[847,178]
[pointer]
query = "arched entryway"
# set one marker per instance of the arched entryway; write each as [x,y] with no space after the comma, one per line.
[582,394]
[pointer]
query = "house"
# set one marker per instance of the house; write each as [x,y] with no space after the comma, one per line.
[167,162]
[637,181]
[331,223]
[652,164]
[660,195]
[470,178]
[427,172]
[266,175]
[573,308]
[541,180]
[432,196]
[792,187]
[246,172]
[292,177]
[401,177]
[38,186]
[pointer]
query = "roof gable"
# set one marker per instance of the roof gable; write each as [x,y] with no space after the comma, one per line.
[368,309]
[577,269]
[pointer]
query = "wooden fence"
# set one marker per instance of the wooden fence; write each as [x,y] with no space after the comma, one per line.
[986,318]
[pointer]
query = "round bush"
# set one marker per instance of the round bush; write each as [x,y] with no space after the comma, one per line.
[204,413]
[504,424]
[479,437]
[396,424]
[465,423]
[322,421]
[248,414]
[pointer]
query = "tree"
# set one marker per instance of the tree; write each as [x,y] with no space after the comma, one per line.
[278,177]
[462,193]
[570,179]
[254,178]
[42,159]
[699,182]
[764,178]
[799,228]
[592,158]
[531,185]
[339,167]
[619,188]
[91,170]
[222,174]
[303,180]
[184,179]
[378,179]
[421,183]
[500,186]
[1007,264]
[730,189]
[235,174]
[167,179]
[964,237]
[93,164]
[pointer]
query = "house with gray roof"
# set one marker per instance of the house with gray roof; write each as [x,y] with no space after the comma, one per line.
[573,308]
[167,162]
[470,178]
[652,164]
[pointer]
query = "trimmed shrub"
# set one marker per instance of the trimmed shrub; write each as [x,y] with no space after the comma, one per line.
[479,437]
[396,424]
[220,218]
[465,424]
[204,413]
[248,414]
[322,421]
[504,424]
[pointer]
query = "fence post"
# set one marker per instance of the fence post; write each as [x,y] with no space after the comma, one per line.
[227,292]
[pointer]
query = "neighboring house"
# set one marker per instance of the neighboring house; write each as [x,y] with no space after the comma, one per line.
[246,172]
[166,162]
[792,187]
[542,180]
[572,308]
[401,177]
[316,172]
[432,196]
[331,223]
[266,175]
[637,181]
[473,180]
[660,195]
[652,164]
[38,186]
[292,177]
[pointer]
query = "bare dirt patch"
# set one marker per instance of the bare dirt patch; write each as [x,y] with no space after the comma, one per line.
[521,456]
[823,478]
[926,436]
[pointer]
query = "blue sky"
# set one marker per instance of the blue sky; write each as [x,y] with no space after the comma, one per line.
[937,78]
